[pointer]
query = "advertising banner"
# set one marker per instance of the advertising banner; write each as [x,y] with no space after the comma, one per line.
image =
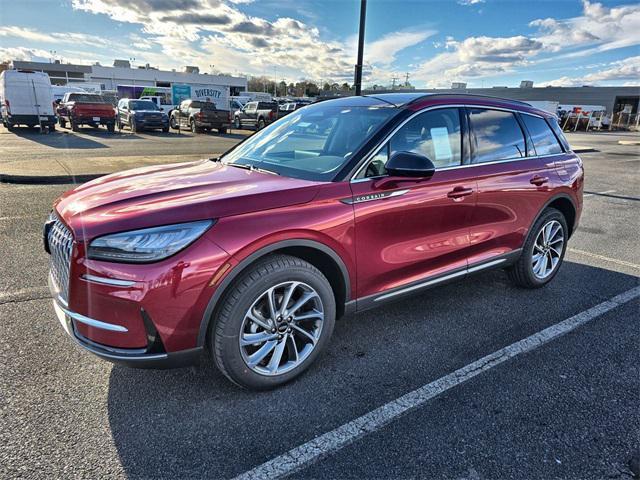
[180,93]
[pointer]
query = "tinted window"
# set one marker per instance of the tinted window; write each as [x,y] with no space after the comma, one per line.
[203,105]
[142,105]
[498,135]
[544,141]
[86,98]
[267,106]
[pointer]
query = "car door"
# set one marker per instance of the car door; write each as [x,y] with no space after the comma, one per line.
[411,231]
[249,114]
[183,114]
[513,183]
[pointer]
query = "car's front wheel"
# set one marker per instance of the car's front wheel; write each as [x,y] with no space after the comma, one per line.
[543,251]
[273,322]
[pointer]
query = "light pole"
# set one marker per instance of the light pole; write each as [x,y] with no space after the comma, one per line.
[357,81]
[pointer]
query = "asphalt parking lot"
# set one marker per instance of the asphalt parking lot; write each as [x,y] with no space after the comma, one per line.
[565,409]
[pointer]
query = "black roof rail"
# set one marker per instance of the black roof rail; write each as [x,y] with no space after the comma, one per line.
[431,95]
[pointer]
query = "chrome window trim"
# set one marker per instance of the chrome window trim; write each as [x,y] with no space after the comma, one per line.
[108,281]
[383,142]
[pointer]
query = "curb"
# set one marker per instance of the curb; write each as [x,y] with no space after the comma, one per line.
[48,179]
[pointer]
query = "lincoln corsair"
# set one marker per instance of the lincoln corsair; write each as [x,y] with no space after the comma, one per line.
[336,208]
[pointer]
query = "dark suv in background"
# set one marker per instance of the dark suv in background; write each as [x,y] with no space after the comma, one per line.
[141,115]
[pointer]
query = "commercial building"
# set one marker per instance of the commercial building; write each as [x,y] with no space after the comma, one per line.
[122,73]
[614,99]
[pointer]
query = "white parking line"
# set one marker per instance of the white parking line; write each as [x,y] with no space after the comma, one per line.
[606,259]
[590,194]
[346,434]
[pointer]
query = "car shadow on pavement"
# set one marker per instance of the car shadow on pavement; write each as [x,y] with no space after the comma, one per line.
[58,139]
[192,422]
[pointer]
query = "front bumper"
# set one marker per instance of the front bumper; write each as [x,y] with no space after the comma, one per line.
[152,356]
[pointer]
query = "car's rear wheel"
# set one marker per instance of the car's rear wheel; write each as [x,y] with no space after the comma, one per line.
[543,251]
[237,124]
[134,127]
[194,128]
[172,123]
[261,124]
[74,126]
[222,131]
[63,123]
[111,127]
[273,322]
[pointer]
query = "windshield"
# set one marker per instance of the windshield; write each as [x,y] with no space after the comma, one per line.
[143,105]
[86,98]
[312,143]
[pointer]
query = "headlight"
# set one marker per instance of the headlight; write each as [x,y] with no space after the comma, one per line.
[147,245]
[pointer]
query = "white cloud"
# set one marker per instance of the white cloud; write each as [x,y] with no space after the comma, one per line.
[23,53]
[384,50]
[625,71]
[598,29]
[470,2]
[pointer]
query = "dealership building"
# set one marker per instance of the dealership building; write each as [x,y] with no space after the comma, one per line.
[122,73]
[613,99]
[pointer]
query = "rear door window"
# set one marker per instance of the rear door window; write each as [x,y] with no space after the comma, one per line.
[544,140]
[497,134]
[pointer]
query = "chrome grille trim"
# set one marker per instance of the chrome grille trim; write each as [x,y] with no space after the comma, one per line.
[60,241]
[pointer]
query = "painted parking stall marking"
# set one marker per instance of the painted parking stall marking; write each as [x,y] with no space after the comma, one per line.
[330,442]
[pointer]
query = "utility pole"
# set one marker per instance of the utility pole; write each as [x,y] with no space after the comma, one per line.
[394,79]
[406,79]
[357,81]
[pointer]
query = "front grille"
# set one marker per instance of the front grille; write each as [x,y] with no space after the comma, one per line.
[60,242]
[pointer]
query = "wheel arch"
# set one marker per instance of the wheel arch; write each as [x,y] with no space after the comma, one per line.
[319,255]
[565,205]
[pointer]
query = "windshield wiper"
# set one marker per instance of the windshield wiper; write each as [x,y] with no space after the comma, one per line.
[251,168]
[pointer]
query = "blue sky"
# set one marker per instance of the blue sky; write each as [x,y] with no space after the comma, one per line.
[481,42]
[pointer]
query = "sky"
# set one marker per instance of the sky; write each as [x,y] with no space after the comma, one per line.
[480,42]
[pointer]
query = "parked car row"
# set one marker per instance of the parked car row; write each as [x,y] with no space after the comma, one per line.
[26,99]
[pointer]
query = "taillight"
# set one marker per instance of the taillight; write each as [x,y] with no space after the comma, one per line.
[271,115]
[199,115]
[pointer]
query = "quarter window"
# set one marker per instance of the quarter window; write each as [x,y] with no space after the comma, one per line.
[498,135]
[544,140]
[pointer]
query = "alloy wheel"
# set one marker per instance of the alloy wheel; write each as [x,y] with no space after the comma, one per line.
[547,249]
[281,328]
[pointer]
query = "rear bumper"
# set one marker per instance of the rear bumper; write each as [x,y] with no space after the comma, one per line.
[31,119]
[88,120]
[152,356]
[205,124]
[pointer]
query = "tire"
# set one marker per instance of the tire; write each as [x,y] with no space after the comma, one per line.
[10,127]
[74,126]
[111,127]
[237,124]
[248,291]
[222,131]
[133,126]
[172,123]
[52,127]
[63,123]
[523,273]
[261,123]
[194,128]
[165,129]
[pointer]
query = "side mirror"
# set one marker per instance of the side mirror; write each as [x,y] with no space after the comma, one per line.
[409,164]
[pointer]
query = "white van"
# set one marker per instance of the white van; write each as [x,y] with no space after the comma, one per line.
[26,99]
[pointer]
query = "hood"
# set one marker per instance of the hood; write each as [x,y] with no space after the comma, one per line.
[152,196]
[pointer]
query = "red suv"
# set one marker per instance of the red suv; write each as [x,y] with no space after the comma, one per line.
[335,208]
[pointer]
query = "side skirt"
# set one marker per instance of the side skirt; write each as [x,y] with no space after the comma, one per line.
[372,301]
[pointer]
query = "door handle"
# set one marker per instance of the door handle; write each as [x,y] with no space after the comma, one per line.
[459,192]
[538,180]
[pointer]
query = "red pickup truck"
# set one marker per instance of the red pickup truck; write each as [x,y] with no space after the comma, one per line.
[86,109]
